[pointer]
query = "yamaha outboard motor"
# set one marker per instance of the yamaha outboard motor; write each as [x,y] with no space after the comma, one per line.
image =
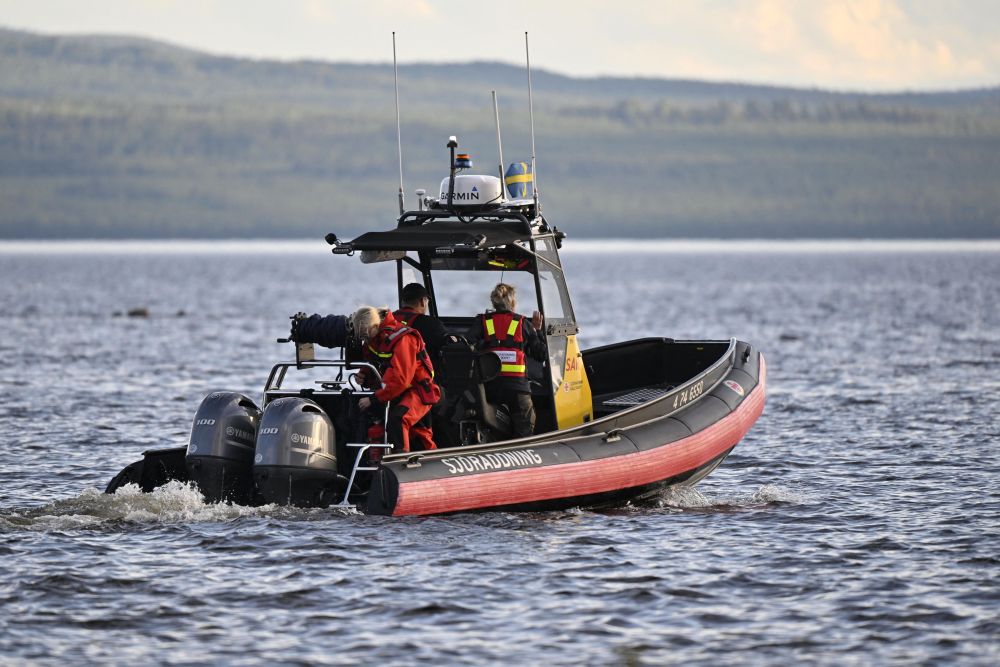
[296,460]
[220,454]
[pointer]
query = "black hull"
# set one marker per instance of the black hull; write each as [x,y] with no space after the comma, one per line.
[631,454]
[222,480]
[155,468]
[300,487]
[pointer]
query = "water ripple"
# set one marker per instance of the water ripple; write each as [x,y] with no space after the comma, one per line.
[856,524]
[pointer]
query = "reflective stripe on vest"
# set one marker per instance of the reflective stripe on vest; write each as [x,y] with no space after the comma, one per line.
[397,333]
[510,348]
[381,355]
[511,330]
[387,343]
[508,363]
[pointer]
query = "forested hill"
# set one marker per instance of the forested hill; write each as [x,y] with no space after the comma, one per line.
[121,137]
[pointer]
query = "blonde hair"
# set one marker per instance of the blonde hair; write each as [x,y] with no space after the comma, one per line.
[504,297]
[366,317]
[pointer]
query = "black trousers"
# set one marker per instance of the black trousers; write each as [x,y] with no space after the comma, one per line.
[520,406]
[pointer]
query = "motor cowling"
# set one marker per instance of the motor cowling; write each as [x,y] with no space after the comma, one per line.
[296,461]
[219,458]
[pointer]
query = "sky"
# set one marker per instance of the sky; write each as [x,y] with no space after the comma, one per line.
[870,45]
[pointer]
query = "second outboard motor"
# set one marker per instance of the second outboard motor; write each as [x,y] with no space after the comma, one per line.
[220,454]
[296,460]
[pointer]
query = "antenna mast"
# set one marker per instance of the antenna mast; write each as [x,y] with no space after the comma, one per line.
[531,116]
[399,139]
[496,116]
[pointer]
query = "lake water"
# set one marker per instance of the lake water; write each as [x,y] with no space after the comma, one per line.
[858,522]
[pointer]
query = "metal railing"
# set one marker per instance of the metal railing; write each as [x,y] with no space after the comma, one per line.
[276,379]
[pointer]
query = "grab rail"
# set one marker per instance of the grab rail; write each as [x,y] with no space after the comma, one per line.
[278,372]
[357,467]
[277,377]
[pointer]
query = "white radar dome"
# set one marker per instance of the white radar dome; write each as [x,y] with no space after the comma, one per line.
[473,191]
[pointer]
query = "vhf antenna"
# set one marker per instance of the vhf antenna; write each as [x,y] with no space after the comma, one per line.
[531,117]
[496,117]
[399,139]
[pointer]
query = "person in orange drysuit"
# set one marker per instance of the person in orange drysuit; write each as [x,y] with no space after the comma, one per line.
[399,353]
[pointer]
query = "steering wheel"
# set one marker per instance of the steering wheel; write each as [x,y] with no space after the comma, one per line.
[453,339]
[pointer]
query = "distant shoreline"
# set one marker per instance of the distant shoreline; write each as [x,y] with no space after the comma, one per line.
[113,138]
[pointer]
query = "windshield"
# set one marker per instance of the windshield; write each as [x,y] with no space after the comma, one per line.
[467,293]
[554,294]
[463,280]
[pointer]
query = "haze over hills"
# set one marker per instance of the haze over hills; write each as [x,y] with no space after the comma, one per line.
[115,137]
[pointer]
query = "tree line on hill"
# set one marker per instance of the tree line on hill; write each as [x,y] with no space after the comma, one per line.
[113,138]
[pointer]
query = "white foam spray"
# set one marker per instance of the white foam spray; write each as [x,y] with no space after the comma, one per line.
[174,502]
[689,497]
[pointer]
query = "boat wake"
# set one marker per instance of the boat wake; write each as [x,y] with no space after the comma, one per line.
[691,498]
[172,503]
[180,503]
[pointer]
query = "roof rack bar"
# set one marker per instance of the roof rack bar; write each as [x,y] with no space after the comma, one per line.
[417,218]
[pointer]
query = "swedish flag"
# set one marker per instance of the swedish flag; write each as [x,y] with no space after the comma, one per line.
[519,180]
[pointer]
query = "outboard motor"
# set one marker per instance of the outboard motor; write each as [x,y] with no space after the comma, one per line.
[220,454]
[296,460]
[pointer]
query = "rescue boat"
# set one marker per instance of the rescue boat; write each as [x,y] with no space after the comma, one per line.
[615,424]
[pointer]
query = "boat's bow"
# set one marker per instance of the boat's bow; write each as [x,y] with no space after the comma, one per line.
[677,438]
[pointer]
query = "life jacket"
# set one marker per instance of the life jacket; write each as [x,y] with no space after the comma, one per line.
[406,316]
[391,332]
[503,333]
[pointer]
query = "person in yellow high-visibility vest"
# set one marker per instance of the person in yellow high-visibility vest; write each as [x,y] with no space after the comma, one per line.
[514,338]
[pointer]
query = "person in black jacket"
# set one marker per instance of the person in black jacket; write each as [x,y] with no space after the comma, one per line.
[415,312]
[415,302]
[514,338]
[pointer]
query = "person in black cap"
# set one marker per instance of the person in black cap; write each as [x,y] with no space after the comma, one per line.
[414,312]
